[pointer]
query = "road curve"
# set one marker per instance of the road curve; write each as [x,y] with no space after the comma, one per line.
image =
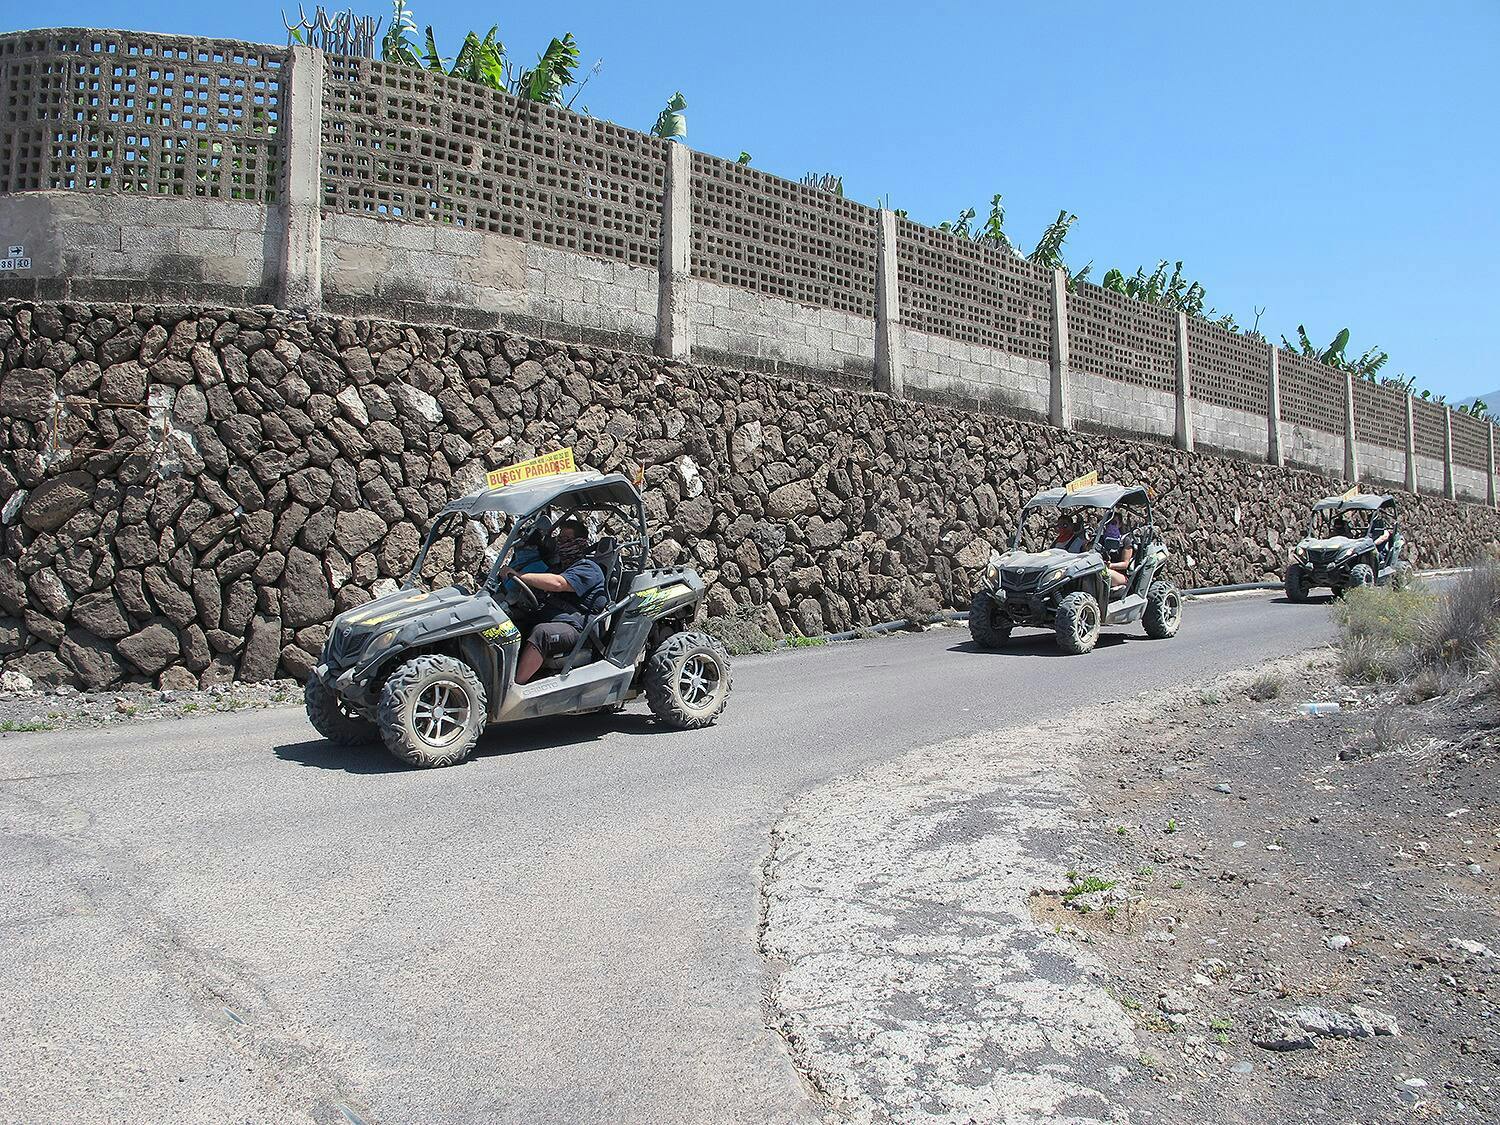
[227,918]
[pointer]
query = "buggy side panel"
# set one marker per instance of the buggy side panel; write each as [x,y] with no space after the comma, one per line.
[654,596]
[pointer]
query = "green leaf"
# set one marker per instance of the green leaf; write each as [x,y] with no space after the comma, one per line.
[671,122]
[554,71]
[433,60]
[744,160]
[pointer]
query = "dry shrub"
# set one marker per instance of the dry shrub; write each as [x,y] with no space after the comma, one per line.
[1464,624]
[1265,686]
[742,632]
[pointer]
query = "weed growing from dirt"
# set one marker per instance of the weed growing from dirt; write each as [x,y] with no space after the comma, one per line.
[806,642]
[23,726]
[1266,686]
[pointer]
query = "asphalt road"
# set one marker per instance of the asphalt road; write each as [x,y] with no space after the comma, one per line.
[227,919]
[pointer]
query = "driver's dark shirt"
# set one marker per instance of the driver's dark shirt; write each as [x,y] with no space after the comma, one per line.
[586,578]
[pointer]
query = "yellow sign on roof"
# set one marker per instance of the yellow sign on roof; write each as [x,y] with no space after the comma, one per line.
[1351,494]
[547,465]
[1085,481]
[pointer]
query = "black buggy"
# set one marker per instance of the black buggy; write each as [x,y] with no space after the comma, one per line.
[427,667]
[1352,540]
[1055,574]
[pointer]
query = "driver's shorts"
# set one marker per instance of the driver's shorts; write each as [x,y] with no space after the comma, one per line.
[553,638]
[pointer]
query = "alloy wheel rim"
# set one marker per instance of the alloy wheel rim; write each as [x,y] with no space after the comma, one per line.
[1171,608]
[1088,621]
[441,713]
[698,682]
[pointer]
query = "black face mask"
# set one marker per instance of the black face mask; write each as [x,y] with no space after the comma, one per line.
[566,552]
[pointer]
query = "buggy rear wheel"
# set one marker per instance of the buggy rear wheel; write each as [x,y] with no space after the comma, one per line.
[688,680]
[432,710]
[1078,622]
[1401,577]
[333,717]
[988,627]
[1163,610]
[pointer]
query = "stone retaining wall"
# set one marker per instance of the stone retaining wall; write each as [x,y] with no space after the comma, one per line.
[190,494]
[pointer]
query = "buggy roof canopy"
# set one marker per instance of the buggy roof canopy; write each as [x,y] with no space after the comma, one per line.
[1094,496]
[1361,502]
[564,490]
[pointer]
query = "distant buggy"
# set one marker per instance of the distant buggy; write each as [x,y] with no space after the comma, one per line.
[426,670]
[1059,581]
[1352,540]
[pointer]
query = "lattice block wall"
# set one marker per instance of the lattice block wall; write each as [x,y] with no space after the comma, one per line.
[1312,394]
[403,143]
[1118,338]
[127,112]
[1379,415]
[771,236]
[1228,369]
[1470,441]
[1427,422]
[952,287]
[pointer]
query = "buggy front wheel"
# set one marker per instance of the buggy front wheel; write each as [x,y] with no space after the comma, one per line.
[687,680]
[987,625]
[432,711]
[1078,622]
[333,717]
[1296,584]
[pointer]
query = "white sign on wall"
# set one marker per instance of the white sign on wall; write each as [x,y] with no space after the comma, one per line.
[15,260]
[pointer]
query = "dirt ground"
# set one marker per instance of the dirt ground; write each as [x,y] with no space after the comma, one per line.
[1303,917]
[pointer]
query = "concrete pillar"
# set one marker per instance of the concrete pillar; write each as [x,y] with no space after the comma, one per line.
[1411,447]
[1184,436]
[1060,402]
[300,283]
[1274,454]
[890,374]
[1490,477]
[1449,490]
[673,326]
[1351,452]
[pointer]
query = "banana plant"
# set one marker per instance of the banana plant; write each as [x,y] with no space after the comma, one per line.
[1367,366]
[671,122]
[398,45]
[554,72]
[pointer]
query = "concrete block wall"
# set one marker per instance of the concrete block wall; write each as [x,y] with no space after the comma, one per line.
[88,246]
[1227,430]
[571,269]
[421,271]
[1470,484]
[1382,466]
[1122,408]
[1311,448]
[1429,474]
[769,334]
[593,294]
[959,372]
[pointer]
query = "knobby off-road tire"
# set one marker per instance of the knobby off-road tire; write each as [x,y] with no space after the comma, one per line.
[1360,575]
[334,719]
[987,629]
[1296,588]
[1163,611]
[687,680]
[432,711]
[1078,620]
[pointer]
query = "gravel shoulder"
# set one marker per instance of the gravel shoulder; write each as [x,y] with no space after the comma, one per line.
[1195,905]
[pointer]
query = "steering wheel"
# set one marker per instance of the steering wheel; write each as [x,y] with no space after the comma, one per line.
[532,602]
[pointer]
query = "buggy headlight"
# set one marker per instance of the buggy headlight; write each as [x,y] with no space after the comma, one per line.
[1298,554]
[1054,575]
[379,645]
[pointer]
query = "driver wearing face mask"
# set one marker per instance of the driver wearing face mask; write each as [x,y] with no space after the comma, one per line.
[568,595]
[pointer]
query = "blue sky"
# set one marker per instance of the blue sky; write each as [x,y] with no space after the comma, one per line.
[1334,163]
